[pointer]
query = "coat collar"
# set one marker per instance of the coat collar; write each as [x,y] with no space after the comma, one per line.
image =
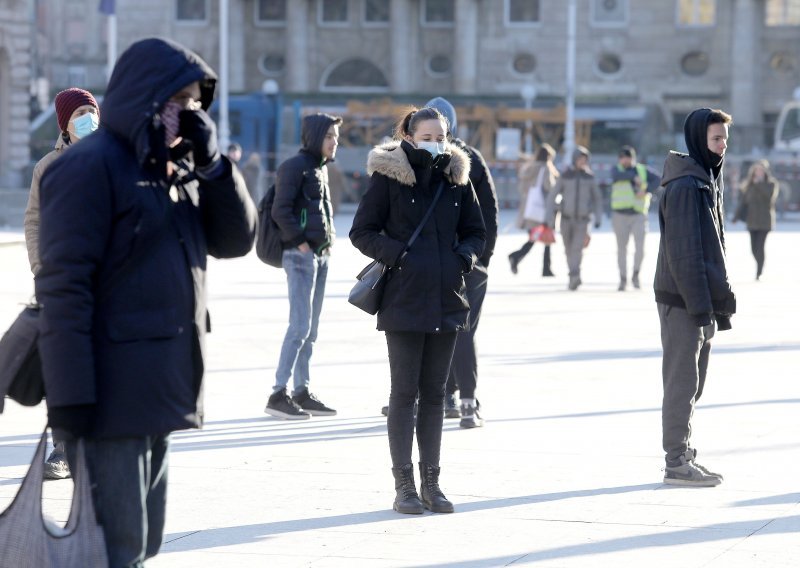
[390,160]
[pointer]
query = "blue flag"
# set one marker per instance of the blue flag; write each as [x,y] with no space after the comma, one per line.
[108,7]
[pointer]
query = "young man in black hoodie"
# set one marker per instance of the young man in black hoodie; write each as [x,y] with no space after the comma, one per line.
[304,214]
[693,295]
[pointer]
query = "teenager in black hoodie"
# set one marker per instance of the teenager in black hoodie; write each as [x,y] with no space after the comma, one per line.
[691,285]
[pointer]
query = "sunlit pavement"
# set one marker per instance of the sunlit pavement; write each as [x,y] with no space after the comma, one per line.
[567,470]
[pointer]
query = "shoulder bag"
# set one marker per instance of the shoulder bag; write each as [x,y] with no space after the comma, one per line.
[31,540]
[367,293]
[534,201]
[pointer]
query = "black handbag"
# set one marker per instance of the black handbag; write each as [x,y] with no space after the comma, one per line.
[367,294]
[20,368]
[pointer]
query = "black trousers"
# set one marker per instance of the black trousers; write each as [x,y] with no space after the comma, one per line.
[464,369]
[419,365]
[757,241]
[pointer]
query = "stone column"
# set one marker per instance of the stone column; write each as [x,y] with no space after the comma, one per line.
[465,60]
[403,26]
[746,107]
[297,59]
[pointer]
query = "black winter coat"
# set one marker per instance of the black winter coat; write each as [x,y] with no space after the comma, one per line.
[134,351]
[483,184]
[690,271]
[302,207]
[425,291]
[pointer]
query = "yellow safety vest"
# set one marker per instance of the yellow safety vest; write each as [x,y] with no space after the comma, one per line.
[623,195]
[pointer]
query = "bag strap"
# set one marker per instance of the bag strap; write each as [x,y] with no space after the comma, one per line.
[427,216]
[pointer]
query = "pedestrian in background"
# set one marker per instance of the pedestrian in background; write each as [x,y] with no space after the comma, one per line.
[631,189]
[541,167]
[756,207]
[304,214]
[234,153]
[78,116]
[580,200]
[128,218]
[464,368]
[424,304]
[693,295]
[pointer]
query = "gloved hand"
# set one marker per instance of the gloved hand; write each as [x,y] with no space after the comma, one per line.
[597,224]
[71,422]
[466,262]
[485,260]
[198,128]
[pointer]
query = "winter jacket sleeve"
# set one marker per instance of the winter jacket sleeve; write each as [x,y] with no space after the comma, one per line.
[597,202]
[76,216]
[487,198]
[288,186]
[552,207]
[369,221]
[31,221]
[229,215]
[471,228]
[684,247]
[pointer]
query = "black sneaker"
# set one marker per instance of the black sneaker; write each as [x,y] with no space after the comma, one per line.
[311,404]
[451,409]
[688,474]
[281,406]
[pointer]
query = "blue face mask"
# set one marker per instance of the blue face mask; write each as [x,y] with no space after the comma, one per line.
[85,124]
[435,148]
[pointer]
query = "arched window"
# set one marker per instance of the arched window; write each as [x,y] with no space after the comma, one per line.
[354,75]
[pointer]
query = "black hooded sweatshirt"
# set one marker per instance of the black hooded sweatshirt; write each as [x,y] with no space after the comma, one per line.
[691,272]
[302,207]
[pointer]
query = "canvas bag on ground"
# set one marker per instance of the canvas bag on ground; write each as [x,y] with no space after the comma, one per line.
[32,541]
[534,201]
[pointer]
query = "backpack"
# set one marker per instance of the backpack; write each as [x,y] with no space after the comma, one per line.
[269,247]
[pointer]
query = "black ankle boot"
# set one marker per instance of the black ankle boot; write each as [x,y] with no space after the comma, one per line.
[432,497]
[407,501]
[516,257]
[546,263]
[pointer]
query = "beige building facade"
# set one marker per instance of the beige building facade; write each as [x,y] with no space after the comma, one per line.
[641,64]
[15,59]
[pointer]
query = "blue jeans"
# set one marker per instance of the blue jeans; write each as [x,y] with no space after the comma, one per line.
[306,273]
[129,490]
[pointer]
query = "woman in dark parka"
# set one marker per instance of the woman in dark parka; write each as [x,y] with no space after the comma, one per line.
[424,303]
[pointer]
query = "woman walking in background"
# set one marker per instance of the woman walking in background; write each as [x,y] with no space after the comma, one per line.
[424,303]
[756,208]
[539,174]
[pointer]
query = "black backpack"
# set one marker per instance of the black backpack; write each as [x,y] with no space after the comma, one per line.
[268,242]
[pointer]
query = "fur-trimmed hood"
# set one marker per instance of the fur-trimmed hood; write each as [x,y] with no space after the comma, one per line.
[390,160]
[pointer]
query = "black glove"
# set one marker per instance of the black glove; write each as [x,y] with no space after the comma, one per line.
[485,260]
[597,224]
[466,262]
[198,128]
[71,422]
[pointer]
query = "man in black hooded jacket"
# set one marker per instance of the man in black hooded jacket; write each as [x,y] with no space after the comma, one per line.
[693,295]
[128,218]
[304,214]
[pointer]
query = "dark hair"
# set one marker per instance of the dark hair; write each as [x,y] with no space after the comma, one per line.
[627,151]
[719,117]
[408,124]
[544,153]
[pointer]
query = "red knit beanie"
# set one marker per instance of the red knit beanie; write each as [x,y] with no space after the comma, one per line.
[69,100]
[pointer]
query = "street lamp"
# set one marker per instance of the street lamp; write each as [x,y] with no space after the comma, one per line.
[528,94]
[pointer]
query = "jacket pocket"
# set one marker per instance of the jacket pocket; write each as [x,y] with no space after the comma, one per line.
[136,326]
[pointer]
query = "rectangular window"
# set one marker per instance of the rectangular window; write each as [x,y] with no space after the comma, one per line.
[271,11]
[191,11]
[783,13]
[608,13]
[522,12]
[376,11]
[438,13]
[333,11]
[696,12]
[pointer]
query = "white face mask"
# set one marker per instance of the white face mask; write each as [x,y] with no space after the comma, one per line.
[435,148]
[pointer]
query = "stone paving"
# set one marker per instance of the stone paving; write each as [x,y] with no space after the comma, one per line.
[566,472]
